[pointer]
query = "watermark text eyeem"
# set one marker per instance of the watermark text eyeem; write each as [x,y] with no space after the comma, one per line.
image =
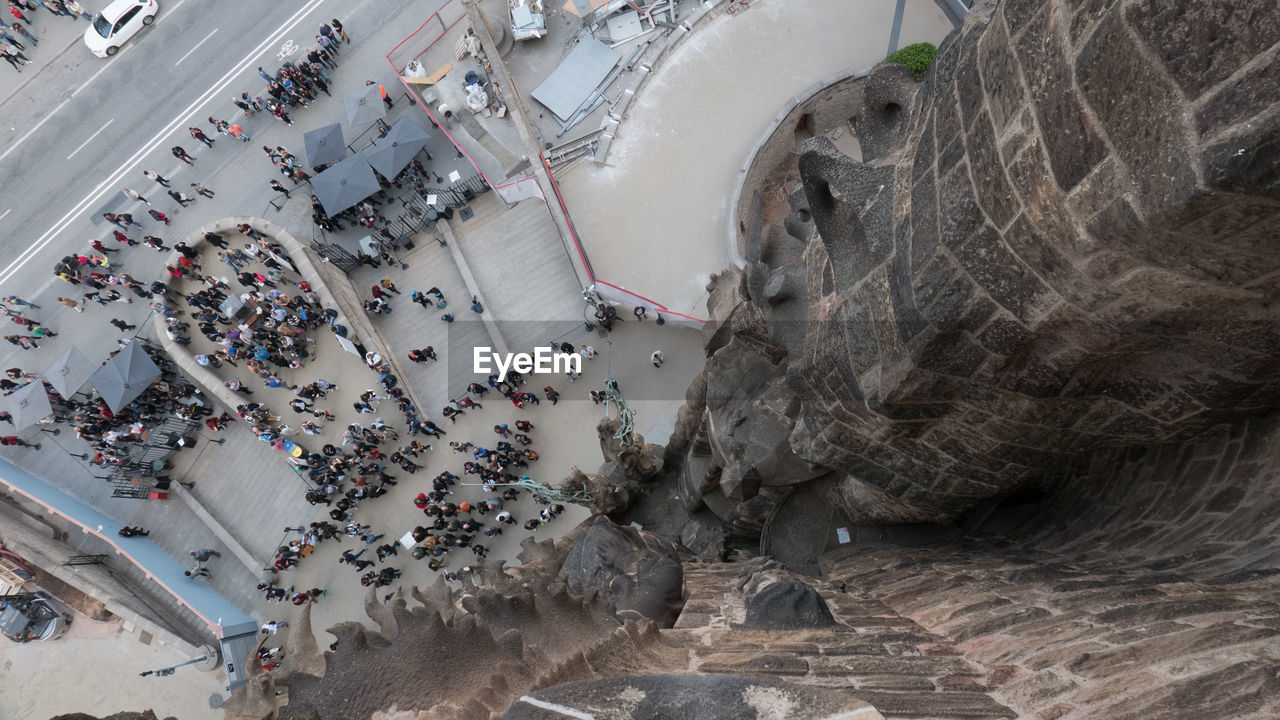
[543,360]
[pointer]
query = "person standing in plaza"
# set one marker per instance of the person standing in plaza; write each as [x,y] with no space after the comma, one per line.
[202,190]
[15,300]
[383,91]
[181,199]
[78,9]
[321,84]
[316,57]
[11,54]
[180,153]
[133,194]
[198,134]
[275,185]
[215,240]
[4,33]
[153,175]
[22,30]
[204,554]
[337,27]
[55,7]
[328,44]
[73,304]
[656,358]
[278,111]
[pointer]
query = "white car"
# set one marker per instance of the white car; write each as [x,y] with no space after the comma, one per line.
[118,22]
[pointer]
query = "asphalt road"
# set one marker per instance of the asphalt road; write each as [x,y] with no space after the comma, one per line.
[86,127]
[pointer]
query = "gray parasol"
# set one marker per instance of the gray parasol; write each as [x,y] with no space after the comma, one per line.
[29,405]
[392,153]
[345,184]
[125,376]
[69,373]
[364,105]
[325,145]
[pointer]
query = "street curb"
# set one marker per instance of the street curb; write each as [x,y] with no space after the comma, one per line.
[61,52]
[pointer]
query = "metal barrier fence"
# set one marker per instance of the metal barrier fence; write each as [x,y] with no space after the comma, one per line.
[142,472]
[339,256]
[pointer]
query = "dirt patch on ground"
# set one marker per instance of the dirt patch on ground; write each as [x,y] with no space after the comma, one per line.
[82,603]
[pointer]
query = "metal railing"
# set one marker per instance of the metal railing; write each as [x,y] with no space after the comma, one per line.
[142,472]
[339,256]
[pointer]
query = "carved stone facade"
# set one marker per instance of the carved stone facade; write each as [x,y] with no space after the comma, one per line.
[1064,240]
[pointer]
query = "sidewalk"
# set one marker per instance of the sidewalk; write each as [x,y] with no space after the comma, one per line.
[104,662]
[56,35]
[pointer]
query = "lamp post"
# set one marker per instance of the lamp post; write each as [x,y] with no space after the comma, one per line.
[167,671]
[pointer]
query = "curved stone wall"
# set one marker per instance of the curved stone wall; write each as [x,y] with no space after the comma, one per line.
[771,163]
[1037,256]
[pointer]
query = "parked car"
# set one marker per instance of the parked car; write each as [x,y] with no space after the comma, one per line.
[118,21]
[31,616]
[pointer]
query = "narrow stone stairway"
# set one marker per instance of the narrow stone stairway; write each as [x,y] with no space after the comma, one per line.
[880,657]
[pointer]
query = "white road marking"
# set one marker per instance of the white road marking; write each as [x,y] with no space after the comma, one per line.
[18,143]
[90,80]
[96,194]
[193,47]
[91,137]
[6,212]
[854,713]
[105,65]
[557,709]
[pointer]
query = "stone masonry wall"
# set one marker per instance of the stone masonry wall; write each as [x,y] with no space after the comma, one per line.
[1145,587]
[1064,240]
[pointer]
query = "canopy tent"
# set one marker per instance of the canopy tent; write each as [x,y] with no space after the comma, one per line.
[325,145]
[69,373]
[29,405]
[125,376]
[392,153]
[577,77]
[583,8]
[364,105]
[345,184]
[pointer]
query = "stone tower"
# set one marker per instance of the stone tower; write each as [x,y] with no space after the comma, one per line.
[1065,239]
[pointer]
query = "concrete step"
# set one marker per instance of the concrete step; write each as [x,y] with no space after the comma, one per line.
[935,704]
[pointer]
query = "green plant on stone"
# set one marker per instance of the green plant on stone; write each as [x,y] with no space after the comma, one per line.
[918,57]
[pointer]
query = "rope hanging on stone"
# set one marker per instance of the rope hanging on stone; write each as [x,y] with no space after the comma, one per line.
[626,416]
[577,497]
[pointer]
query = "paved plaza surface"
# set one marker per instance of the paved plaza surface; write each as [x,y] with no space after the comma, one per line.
[654,208]
[72,675]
